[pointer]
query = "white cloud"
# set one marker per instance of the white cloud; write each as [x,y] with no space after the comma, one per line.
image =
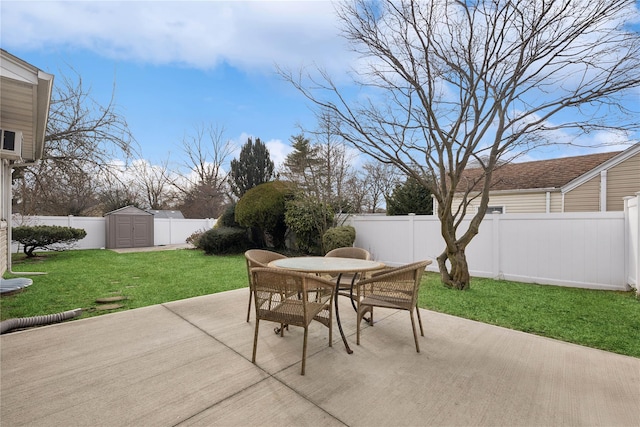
[249,35]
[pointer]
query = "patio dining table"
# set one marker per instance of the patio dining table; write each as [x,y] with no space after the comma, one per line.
[329,265]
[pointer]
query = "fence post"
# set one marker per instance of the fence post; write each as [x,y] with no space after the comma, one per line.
[412,227]
[632,241]
[495,252]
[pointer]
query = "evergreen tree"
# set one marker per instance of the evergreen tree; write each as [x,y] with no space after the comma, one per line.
[253,167]
[410,197]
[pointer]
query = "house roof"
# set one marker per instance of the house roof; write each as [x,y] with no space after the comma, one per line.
[24,102]
[541,174]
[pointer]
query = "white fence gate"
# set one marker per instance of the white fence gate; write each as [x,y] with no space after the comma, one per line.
[596,250]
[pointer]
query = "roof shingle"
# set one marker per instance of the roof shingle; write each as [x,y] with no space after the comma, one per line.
[553,173]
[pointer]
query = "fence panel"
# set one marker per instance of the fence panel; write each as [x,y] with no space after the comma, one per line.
[569,249]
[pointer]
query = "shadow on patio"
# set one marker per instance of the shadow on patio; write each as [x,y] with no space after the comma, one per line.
[189,363]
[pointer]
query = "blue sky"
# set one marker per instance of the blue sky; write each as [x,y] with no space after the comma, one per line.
[180,65]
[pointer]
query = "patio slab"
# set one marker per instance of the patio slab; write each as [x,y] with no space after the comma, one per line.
[189,363]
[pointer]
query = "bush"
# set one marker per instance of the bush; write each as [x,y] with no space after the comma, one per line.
[228,218]
[49,237]
[308,219]
[339,237]
[224,240]
[263,208]
[195,237]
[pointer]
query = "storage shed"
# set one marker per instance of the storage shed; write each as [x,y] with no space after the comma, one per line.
[129,227]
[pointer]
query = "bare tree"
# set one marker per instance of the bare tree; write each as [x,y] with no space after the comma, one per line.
[154,184]
[83,137]
[450,81]
[204,188]
[378,182]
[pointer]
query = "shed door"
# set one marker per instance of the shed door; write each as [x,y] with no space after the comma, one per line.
[123,226]
[141,231]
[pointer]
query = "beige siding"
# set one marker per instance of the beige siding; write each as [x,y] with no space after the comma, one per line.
[3,247]
[623,180]
[585,198]
[556,202]
[19,96]
[520,203]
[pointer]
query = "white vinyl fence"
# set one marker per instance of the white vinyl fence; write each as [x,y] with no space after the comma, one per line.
[596,250]
[167,231]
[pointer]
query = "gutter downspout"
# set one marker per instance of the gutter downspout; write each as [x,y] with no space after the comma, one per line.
[9,205]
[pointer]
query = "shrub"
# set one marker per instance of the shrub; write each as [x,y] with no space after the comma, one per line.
[224,240]
[228,218]
[49,237]
[263,208]
[339,237]
[308,219]
[195,237]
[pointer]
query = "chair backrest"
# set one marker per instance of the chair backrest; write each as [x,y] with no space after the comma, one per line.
[272,286]
[260,258]
[402,282]
[349,252]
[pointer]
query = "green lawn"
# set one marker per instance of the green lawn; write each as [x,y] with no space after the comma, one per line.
[600,319]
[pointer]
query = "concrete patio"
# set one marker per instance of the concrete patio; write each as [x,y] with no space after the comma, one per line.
[188,363]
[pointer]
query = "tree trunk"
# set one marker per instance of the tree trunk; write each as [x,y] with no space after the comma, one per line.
[458,276]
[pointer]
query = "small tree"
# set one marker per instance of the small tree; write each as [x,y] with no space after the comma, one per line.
[253,167]
[49,237]
[410,197]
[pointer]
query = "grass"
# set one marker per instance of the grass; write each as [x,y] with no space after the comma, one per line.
[606,320]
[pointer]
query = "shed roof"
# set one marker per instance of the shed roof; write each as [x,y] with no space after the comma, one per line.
[163,213]
[553,173]
[128,210]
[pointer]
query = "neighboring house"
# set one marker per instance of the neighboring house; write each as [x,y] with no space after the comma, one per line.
[25,96]
[591,183]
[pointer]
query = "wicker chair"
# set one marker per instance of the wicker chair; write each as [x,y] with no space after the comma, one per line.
[395,288]
[347,280]
[258,258]
[292,298]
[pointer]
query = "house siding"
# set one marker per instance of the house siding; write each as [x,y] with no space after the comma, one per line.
[584,198]
[15,97]
[556,203]
[520,203]
[623,180]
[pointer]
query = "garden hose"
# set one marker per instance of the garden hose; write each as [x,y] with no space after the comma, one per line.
[25,322]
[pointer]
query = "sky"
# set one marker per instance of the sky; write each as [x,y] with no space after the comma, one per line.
[178,66]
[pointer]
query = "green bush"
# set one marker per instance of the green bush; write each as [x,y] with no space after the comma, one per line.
[228,218]
[263,208]
[308,219]
[195,237]
[339,237]
[224,240]
[49,237]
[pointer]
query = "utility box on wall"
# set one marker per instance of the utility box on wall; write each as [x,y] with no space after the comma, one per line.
[129,227]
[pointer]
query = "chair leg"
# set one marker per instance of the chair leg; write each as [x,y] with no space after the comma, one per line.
[415,334]
[304,350]
[249,308]
[419,320]
[255,341]
[361,311]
